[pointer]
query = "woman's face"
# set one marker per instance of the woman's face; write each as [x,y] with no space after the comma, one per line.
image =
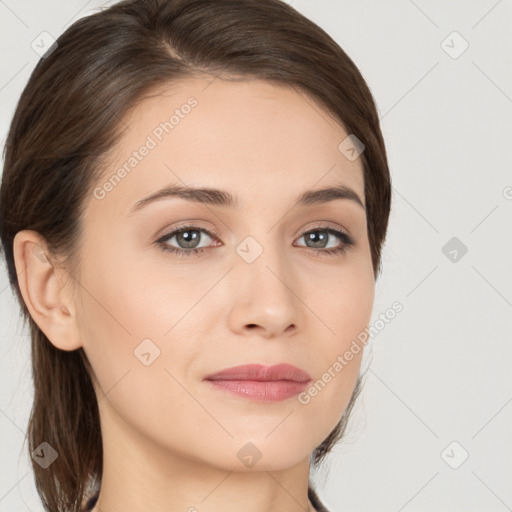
[155,324]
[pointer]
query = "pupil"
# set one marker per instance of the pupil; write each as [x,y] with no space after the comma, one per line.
[322,237]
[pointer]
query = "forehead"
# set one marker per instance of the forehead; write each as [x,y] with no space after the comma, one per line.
[258,139]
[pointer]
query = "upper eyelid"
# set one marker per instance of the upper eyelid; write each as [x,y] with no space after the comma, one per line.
[185,227]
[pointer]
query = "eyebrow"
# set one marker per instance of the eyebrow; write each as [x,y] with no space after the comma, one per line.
[217,197]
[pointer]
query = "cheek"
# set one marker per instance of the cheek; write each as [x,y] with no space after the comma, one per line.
[344,306]
[132,315]
[114,317]
[133,362]
[344,311]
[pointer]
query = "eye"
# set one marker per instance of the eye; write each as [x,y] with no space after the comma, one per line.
[188,239]
[326,234]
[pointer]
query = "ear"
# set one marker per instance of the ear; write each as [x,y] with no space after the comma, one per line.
[42,285]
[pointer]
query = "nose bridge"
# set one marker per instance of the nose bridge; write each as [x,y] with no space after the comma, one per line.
[264,260]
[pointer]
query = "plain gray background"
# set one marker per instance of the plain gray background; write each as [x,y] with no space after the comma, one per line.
[439,387]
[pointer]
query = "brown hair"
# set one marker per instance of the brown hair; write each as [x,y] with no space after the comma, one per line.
[69,117]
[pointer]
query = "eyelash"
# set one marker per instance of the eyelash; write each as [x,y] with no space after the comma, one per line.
[348,241]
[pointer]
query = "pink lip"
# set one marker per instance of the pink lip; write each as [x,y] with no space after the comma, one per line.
[261,383]
[262,373]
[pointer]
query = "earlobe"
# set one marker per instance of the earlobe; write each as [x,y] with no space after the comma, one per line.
[42,287]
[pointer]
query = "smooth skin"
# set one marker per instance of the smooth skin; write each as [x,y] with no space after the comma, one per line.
[171,441]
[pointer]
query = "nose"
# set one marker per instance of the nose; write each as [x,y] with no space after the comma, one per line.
[265,297]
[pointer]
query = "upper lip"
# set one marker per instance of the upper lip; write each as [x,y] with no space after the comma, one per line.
[260,372]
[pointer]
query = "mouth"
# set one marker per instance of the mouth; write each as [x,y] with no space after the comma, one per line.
[261,383]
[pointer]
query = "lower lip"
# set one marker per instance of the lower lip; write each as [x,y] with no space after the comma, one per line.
[261,391]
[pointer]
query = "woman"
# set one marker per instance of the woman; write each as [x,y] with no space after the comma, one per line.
[239,134]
